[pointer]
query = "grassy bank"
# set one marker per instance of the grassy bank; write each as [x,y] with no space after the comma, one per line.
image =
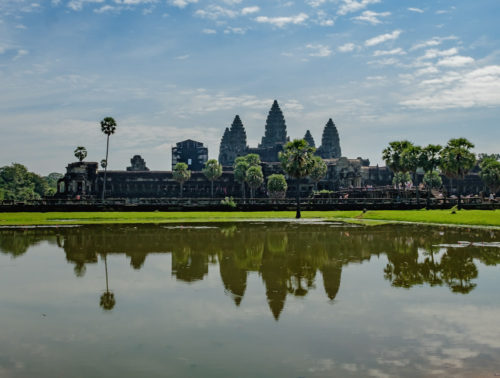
[463,217]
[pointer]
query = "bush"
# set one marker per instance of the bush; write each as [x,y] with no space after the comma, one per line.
[228,201]
[277,186]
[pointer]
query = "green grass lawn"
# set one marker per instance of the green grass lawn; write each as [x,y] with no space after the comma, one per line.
[463,217]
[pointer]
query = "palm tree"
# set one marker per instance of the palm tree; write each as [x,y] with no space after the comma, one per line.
[108,127]
[181,174]
[107,300]
[255,178]
[212,171]
[456,161]
[80,153]
[318,171]
[411,161]
[240,172]
[297,160]
[429,160]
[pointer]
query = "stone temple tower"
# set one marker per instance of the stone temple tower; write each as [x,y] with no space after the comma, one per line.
[309,139]
[275,128]
[330,142]
[233,143]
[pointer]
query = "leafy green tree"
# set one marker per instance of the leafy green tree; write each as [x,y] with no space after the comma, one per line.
[401,178]
[254,178]
[430,159]
[392,156]
[181,174]
[52,180]
[490,174]
[432,180]
[17,183]
[212,171]
[277,186]
[297,160]
[108,127]
[456,161]
[80,153]
[318,171]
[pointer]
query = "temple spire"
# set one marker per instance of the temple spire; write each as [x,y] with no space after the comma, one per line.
[309,139]
[275,128]
[330,142]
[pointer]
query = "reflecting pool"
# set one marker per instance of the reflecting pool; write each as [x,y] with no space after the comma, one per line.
[262,299]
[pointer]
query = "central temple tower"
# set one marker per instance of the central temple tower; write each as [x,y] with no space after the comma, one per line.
[275,128]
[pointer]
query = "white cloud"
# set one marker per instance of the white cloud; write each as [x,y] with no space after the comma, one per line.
[250,10]
[426,71]
[455,61]
[213,12]
[323,19]
[20,53]
[383,38]
[371,17]
[397,51]
[283,21]
[106,8]
[209,31]
[476,88]
[181,3]
[315,3]
[20,26]
[77,5]
[348,47]
[435,41]
[182,57]
[416,10]
[233,30]
[434,53]
[385,62]
[350,6]
[318,50]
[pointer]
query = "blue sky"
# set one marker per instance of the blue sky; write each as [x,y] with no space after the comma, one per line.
[168,70]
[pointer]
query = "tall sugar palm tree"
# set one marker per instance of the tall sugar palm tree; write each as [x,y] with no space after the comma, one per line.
[108,127]
[411,161]
[456,161]
[80,153]
[181,174]
[212,171]
[297,160]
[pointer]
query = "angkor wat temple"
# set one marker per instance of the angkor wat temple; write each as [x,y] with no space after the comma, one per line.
[84,180]
[234,140]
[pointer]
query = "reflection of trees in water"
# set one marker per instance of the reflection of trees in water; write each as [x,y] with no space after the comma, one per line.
[455,267]
[107,299]
[16,242]
[286,256]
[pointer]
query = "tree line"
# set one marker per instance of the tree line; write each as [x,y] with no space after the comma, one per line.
[455,161]
[19,184]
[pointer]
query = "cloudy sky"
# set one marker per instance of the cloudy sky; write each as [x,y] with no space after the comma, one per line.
[169,70]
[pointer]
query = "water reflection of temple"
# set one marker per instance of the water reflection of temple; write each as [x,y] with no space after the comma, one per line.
[287,257]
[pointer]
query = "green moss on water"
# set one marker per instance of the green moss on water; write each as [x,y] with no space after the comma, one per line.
[462,217]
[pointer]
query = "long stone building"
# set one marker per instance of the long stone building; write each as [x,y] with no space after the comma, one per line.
[85,180]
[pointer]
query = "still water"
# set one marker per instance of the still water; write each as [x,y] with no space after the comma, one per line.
[249,300]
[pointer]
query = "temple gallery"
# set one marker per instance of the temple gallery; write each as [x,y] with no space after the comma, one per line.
[85,180]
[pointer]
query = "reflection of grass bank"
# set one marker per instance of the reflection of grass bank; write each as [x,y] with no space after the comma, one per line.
[463,217]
